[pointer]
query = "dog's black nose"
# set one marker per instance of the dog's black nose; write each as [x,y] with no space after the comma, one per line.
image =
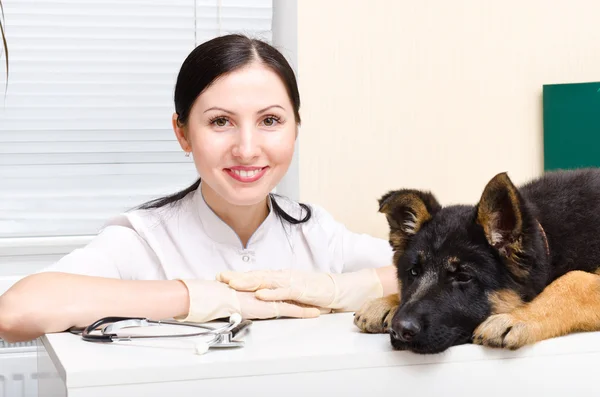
[405,330]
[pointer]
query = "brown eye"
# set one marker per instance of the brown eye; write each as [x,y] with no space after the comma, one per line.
[220,122]
[270,121]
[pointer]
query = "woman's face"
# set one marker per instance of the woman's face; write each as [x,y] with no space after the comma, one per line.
[241,132]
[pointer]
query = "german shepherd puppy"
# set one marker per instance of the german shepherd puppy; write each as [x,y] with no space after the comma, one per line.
[516,268]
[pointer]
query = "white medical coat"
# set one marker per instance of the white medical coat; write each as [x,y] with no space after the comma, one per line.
[188,240]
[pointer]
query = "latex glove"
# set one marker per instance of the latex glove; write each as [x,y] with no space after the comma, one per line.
[341,292]
[210,300]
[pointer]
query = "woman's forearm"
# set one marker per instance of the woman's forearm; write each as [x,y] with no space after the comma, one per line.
[53,302]
[389,279]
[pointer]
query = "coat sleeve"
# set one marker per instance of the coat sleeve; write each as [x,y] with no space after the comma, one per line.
[117,251]
[355,251]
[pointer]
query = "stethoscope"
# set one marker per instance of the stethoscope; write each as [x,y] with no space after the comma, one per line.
[109,327]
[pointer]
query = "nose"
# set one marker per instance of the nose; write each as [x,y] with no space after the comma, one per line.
[247,145]
[405,329]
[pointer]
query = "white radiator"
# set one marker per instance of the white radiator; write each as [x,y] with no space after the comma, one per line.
[18,369]
[18,361]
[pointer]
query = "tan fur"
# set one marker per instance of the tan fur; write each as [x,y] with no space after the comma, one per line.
[487,214]
[375,316]
[569,304]
[399,233]
[397,239]
[513,265]
[504,301]
[487,217]
[452,263]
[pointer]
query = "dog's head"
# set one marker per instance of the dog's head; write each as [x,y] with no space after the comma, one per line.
[459,264]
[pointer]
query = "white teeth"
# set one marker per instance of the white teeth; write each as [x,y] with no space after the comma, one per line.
[246,174]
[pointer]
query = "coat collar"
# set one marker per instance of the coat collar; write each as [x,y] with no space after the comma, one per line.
[220,232]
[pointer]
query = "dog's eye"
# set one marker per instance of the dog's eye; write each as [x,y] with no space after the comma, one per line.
[462,277]
[414,272]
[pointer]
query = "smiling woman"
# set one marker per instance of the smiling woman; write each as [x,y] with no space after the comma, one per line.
[237,112]
[218,129]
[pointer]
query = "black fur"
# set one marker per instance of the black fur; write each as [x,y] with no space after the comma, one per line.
[449,267]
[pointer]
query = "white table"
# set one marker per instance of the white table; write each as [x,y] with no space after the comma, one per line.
[326,356]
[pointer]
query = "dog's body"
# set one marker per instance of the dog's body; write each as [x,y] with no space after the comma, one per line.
[514,269]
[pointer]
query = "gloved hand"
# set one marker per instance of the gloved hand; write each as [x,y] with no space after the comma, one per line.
[210,300]
[341,292]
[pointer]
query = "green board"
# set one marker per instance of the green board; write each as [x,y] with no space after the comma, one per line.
[571,125]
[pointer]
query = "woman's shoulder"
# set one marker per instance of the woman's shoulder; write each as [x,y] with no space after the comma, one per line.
[146,219]
[346,249]
[313,216]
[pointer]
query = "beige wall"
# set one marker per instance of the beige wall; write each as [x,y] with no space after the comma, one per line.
[431,94]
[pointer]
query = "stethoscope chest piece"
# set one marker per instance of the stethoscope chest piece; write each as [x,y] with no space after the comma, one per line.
[226,340]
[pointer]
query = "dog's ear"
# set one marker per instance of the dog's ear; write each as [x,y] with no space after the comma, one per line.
[406,211]
[500,213]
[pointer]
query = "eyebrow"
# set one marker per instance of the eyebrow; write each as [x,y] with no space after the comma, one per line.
[230,112]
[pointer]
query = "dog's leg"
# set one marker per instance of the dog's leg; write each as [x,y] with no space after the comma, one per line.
[376,316]
[569,304]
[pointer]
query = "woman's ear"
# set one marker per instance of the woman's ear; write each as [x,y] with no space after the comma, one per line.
[181,134]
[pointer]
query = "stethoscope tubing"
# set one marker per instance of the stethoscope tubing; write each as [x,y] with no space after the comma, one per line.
[87,335]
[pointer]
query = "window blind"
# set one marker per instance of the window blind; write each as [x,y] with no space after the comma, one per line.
[85,126]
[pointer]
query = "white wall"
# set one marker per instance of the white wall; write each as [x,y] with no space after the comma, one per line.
[285,39]
[430,94]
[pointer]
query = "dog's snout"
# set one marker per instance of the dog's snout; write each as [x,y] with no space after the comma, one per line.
[405,329]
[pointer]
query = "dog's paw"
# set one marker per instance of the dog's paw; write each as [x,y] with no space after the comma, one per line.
[375,316]
[505,331]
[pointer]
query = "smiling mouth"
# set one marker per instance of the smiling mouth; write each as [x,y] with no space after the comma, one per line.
[246,174]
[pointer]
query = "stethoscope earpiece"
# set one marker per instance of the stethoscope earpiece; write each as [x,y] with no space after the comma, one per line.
[200,348]
[235,319]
